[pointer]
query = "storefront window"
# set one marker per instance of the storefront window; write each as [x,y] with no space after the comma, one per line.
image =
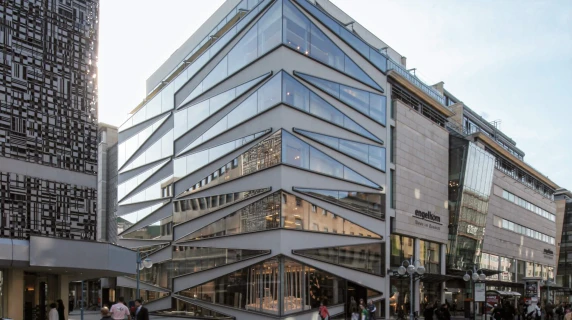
[401,249]
[520,269]
[430,256]
[537,270]
[507,268]
[529,269]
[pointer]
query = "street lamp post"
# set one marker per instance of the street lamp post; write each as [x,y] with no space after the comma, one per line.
[474,278]
[411,270]
[141,264]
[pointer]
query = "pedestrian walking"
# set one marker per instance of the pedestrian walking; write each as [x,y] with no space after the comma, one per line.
[354,309]
[322,312]
[445,313]
[119,310]
[53,315]
[363,312]
[141,313]
[371,310]
[61,309]
[105,315]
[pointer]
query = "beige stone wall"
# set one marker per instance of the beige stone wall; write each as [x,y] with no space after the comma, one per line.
[510,244]
[422,170]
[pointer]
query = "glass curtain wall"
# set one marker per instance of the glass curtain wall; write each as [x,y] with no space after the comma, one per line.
[364,257]
[278,286]
[470,181]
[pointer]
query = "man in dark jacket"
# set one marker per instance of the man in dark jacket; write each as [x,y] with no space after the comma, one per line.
[141,313]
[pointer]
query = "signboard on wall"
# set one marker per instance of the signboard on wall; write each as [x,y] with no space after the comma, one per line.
[480,290]
[427,219]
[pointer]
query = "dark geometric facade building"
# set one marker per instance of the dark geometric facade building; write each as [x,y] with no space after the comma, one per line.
[49,156]
[48,116]
[563,199]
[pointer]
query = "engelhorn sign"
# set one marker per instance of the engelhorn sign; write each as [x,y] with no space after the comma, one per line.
[427,216]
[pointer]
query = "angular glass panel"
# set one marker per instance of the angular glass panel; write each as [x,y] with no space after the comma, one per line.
[257,288]
[127,220]
[321,47]
[300,214]
[364,257]
[244,111]
[296,30]
[364,202]
[161,149]
[155,191]
[160,230]
[370,104]
[187,260]
[294,154]
[261,215]
[189,209]
[127,148]
[126,187]
[366,153]
[373,55]
[318,106]
[265,154]
[190,163]
[246,50]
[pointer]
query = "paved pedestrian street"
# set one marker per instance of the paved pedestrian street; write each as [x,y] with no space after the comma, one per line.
[91,315]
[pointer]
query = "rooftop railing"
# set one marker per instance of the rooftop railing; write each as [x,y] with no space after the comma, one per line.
[433,93]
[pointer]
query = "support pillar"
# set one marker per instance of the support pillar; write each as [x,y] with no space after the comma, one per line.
[15,294]
[416,294]
[443,259]
[64,293]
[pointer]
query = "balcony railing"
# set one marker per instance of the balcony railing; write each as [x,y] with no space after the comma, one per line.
[432,92]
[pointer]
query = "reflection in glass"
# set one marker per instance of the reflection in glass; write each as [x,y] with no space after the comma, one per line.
[364,202]
[280,210]
[130,294]
[370,154]
[296,154]
[401,249]
[187,260]
[249,108]
[246,50]
[161,149]
[160,230]
[187,118]
[156,191]
[263,155]
[298,96]
[125,221]
[372,54]
[188,164]
[299,214]
[127,148]
[430,256]
[321,47]
[126,187]
[189,209]
[261,215]
[370,104]
[364,257]
[258,288]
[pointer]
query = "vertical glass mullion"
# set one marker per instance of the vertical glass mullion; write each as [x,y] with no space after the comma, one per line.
[281,286]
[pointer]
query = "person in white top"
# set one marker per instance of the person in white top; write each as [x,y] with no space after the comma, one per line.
[53,315]
[119,310]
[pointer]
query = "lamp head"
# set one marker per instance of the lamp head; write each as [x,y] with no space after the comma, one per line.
[401,270]
[482,276]
[475,276]
[411,269]
[421,269]
[466,277]
[147,263]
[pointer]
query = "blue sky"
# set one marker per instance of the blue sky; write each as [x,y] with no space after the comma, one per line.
[509,60]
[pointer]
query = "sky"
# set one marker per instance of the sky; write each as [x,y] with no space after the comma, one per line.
[508,60]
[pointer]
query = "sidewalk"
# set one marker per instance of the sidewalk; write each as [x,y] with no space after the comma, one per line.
[95,315]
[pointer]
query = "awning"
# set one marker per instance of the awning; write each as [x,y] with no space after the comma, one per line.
[499,283]
[432,278]
[503,293]
[487,272]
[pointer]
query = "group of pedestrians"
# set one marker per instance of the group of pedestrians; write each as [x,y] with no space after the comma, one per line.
[437,311]
[362,311]
[57,311]
[120,311]
[548,311]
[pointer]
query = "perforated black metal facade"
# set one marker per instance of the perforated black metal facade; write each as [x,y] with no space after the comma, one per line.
[48,113]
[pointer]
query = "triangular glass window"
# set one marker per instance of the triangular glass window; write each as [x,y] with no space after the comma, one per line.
[125,221]
[260,39]
[366,153]
[126,187]
[373,55]
[159,190]
[160,230]
[189,209]
[280,210]
[304,37]
[182,308]
[372,204]
[298,153]
[127,148]
[188,164]
[161,149]
[187,260]
[297,95]
[258,288]
[191,116]
[372,105]
[363,257]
